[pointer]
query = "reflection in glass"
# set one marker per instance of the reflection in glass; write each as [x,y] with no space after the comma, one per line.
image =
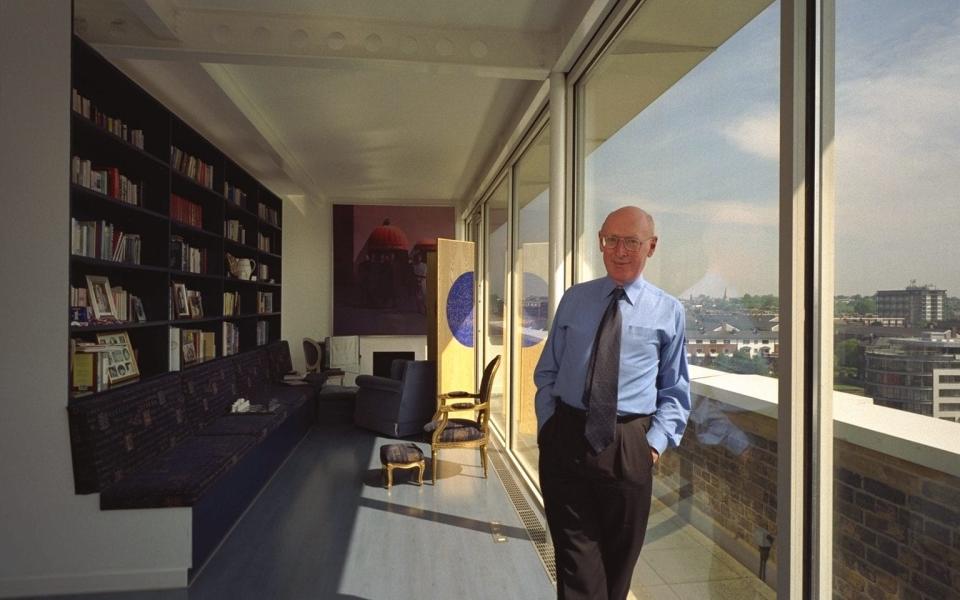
[896,307]
[532,197]
[680,116]
[496,255]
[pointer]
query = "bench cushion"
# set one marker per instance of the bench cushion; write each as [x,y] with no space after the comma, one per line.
[209,391]
[179,476]
[115,432]
[258,425]
[252,371]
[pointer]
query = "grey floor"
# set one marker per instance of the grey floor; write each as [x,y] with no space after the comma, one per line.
[325,527]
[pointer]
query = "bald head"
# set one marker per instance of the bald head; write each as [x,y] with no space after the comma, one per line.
[632,217]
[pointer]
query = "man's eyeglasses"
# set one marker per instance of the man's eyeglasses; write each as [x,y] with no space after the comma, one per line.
[630,244]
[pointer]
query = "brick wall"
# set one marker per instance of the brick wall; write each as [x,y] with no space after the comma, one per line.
[897,524]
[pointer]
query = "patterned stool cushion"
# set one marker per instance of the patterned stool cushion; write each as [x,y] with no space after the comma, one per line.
[400,453]
[461,430]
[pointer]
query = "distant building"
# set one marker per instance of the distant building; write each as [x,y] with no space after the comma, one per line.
[918,304]
[712,335]
[915,374]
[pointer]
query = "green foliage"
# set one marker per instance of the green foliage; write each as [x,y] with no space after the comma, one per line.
[742,363]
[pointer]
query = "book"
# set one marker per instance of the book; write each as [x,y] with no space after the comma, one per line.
[174,348]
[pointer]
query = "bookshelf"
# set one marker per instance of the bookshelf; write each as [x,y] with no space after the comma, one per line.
[156,208]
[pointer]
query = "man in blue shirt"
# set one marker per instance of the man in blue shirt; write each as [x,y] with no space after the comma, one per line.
[613,393]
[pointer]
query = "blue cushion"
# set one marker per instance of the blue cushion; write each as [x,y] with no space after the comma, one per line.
[258,425]
[113,433]
[460,430]
[180,476]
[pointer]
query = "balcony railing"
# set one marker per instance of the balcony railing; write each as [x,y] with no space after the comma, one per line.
[897,484]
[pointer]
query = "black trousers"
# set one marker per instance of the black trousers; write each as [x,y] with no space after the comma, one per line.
[597,505]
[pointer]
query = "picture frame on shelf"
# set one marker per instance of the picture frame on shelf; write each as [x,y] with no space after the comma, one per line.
[195,304]
[139,314]
[181,307]
[121,361]
[101,298]
[189,351]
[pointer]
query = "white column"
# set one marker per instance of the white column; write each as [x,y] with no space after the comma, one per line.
[558,188]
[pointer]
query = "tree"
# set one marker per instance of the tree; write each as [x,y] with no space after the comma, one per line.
[865,306]
[742,363]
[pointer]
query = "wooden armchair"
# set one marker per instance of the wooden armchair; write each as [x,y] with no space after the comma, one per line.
[464,433]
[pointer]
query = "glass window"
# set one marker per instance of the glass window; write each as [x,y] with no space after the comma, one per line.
[680,116]
[896,148]
[497,270]
[531,266]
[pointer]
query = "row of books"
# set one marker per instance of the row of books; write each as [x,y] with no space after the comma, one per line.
[231,338]
[108,181]
[82,106]
[186,211]
[101,239]
[231,304]
[233,230]
[126,307]
[192,167]
[270,215]
[185,257]
[264,242]
[234,194]
[191,346]
[264,302]
[263,332]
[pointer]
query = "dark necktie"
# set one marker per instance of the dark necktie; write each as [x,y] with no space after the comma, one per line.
[602,377]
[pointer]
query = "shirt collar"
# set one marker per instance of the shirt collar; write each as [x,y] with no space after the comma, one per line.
[632,289]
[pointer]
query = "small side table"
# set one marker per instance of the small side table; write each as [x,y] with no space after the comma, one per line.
[401,456]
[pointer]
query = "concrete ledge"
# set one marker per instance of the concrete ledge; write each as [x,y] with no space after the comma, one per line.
[933,443]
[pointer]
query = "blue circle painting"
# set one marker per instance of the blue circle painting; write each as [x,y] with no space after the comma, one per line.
[460,309]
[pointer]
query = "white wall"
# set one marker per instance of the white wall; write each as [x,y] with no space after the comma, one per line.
[307,273]
[51,540]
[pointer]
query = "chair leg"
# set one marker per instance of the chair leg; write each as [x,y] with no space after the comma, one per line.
[483,460]
[433,466]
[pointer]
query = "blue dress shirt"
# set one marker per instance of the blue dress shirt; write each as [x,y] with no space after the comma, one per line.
[653,361]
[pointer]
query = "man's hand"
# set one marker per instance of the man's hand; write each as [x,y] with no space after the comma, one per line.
[654,455]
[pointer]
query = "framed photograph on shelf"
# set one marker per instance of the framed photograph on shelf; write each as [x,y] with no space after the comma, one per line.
[189,351]
[182,309]
[101,298]
[196,306]
[139,314]
[121,361]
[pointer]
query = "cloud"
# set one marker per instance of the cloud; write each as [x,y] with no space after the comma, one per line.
[716,212]
[758,134]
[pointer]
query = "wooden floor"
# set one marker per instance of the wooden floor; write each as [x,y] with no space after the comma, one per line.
[325,527]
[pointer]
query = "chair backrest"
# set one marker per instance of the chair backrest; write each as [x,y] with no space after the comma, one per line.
[486,385]
[313,354]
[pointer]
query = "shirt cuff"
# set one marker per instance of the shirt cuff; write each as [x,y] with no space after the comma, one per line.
[657,440]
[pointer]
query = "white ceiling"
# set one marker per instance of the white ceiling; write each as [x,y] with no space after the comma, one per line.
[354,101]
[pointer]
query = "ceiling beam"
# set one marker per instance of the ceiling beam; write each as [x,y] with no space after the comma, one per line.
[289,163]
[274,39]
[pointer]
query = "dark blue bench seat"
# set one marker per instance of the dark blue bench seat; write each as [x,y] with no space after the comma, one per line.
[172,441]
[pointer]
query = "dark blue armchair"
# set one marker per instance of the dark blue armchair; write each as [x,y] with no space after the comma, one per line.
[401,404]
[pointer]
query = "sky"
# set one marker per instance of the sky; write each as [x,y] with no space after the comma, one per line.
[703,157]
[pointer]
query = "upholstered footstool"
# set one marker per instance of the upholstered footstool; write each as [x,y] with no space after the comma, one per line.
[400,456]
